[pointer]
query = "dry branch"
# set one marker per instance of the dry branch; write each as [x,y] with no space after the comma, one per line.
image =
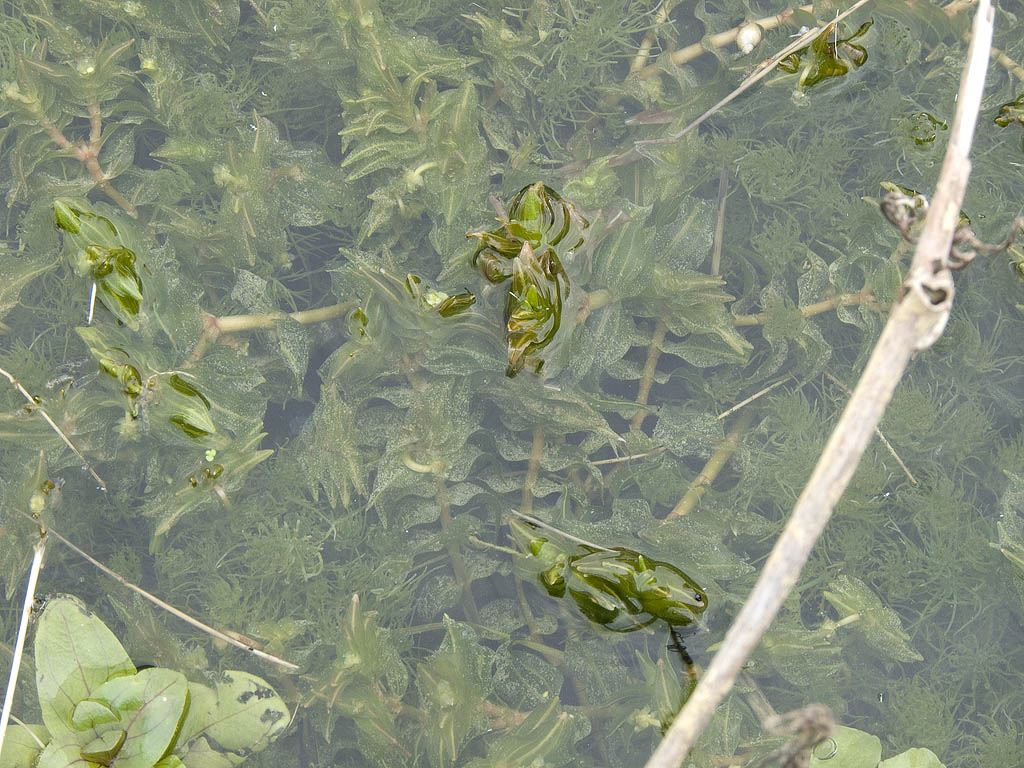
[917,320]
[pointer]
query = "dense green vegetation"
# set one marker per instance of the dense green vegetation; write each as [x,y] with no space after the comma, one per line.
[272,199]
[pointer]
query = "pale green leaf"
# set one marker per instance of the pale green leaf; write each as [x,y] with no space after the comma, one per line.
[75,654]
[877,624]
[150,706]
[913,758]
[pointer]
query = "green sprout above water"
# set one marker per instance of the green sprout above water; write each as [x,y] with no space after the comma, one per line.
[525,248]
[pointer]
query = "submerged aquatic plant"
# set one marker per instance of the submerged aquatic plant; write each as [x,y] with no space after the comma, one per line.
[539,225]
[292,398]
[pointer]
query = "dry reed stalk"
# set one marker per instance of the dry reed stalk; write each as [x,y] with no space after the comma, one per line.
[917,320]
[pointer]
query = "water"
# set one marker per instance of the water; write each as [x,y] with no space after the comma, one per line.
[309,156]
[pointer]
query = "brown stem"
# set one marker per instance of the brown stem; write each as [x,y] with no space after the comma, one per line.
[215,326]
[532,470]
[715,464]
[864,296]
[647,378]
[649,38]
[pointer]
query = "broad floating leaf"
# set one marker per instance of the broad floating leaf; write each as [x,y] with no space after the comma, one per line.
[913,758]
[75,655]
[851,749]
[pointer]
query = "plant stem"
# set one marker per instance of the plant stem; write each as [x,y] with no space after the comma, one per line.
[532,470]
[720,40]
[215,326]
[864,296]
[458,564]
[647,377]
[715,464]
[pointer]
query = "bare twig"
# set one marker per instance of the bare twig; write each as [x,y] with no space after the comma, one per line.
[166,606]
[918,319]
[752,398]
[19,645]
[723,193]
[53,425]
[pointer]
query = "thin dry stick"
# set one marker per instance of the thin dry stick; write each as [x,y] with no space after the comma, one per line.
[630,457]
[878,432]
[723,192]
[916,322]
[167,607]
[53,425]
[19,645]
[763,70]
[752,398]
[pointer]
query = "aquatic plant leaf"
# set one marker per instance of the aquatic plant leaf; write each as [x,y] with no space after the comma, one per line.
[545,737]
[75,655]
[686,432]
[521,675]
[623,261]
[1011,539]
[452,684]
[913,758]
[332,459]
[600,342]
[195,492]
[829,56]
[878,625]
[540,230]
[239,715]
[98,249]
[731,726]
[150,707]
[20,749]
[806,658]
[702,550]
[17,270]
[63,750]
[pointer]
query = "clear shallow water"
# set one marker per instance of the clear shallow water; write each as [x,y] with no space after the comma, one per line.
[399,444]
